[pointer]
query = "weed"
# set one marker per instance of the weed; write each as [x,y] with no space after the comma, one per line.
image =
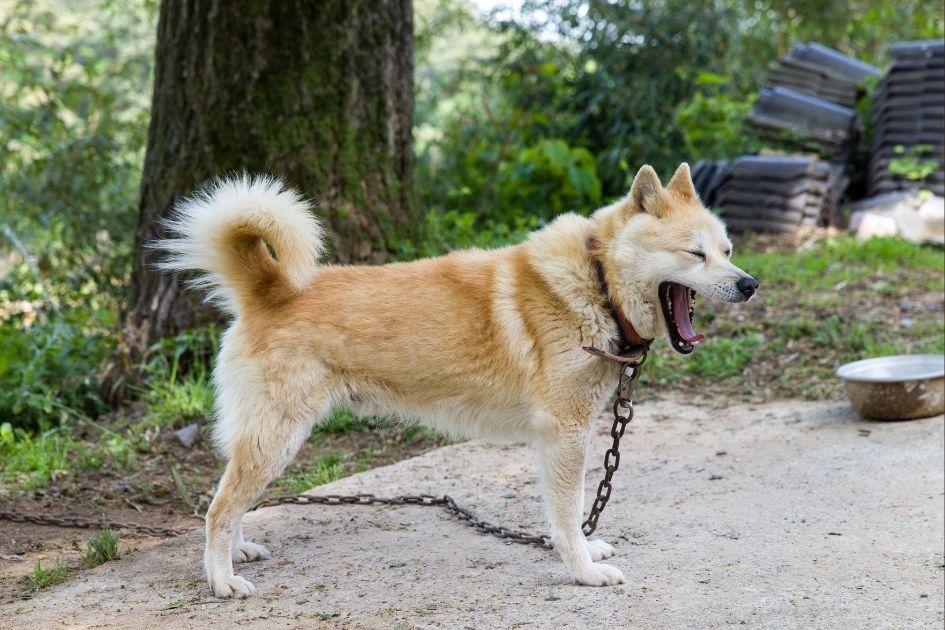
[324,470]
[34,459]
[181,487]
[101,549]
[173,402]
[341,420]
[177,385]
[43,578]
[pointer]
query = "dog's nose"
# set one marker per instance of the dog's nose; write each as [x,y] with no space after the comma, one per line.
[747,286]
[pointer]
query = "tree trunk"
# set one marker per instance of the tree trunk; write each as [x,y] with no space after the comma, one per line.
[318,93]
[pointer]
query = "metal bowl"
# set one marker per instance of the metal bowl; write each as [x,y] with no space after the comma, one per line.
[901,387]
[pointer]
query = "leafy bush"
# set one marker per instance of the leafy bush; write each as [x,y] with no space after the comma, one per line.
[451,230]
[913,163]
[74,97]
[48,371]
[176,382]
[547,179]
[711,119]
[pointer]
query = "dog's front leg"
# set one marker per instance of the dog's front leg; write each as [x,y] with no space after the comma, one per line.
[562,453]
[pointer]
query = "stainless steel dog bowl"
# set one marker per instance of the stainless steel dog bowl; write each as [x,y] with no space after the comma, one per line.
[902,387]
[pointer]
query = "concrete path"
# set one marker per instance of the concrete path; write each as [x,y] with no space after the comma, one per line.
[783,515]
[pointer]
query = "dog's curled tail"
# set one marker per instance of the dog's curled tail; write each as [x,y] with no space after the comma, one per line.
[227,229]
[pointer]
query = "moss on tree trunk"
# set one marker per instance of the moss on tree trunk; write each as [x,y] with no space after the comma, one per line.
[319,93]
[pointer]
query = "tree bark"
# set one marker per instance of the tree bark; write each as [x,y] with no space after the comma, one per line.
[318,93]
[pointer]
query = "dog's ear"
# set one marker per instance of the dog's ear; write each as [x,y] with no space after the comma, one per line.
[645,192]
[681,183]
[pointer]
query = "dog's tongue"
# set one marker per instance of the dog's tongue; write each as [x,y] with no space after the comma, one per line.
[681,314]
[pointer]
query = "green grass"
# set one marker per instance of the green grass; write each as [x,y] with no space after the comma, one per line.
[321,471]
[44,578]
[32,460]
[174,401]
[836,302]
[342,420]
[101,549]
[177,385]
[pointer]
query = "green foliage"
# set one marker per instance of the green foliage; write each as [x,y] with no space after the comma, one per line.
[32,460]
[322,471]
[624,69]
[74,96]
[451,230]
[341,420]
[48,369]
[175,401]
[101,549]
[711,120]
[912,164]
[74,99]
[44,578]
[547,178]
[630,83]
[176,383]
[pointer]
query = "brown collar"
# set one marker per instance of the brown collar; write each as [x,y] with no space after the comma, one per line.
[630,345]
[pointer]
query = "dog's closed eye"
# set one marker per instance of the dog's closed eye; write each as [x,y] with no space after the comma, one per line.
[699,255]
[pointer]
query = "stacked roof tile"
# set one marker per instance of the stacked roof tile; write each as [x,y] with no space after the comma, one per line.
[822,72]
[909,115]
[771,193]
[809,103]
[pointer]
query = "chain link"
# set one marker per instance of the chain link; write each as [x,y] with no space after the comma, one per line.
[79,522]
[623,414]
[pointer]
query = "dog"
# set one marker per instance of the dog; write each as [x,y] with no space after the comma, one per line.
[477,343]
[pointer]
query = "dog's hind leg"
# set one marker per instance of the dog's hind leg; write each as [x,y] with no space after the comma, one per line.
[562,452]
[245,551]
[259,453]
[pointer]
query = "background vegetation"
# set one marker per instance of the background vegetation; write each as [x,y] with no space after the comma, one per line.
[520,115]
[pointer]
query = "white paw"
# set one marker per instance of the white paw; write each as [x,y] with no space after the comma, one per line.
[232,586]
[597,574]
[599,550]
[249,552]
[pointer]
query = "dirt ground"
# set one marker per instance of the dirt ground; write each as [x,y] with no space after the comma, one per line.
[148,495]
[780,515]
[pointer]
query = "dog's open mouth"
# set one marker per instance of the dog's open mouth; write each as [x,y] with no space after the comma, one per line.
[677,302]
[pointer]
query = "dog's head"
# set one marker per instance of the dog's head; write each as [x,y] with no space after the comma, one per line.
[662,248]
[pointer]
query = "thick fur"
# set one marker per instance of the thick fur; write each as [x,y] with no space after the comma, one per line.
[476,343]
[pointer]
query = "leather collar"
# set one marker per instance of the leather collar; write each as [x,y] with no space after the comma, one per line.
[630,345]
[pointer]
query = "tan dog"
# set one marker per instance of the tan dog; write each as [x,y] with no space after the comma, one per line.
[476,344]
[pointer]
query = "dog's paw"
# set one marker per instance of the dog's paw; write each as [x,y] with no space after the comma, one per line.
[599,550]
[249,552]
[598,574]
[232,586]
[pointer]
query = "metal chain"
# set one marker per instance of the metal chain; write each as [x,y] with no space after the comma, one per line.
[79,522]
[623,414]
[446,501]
